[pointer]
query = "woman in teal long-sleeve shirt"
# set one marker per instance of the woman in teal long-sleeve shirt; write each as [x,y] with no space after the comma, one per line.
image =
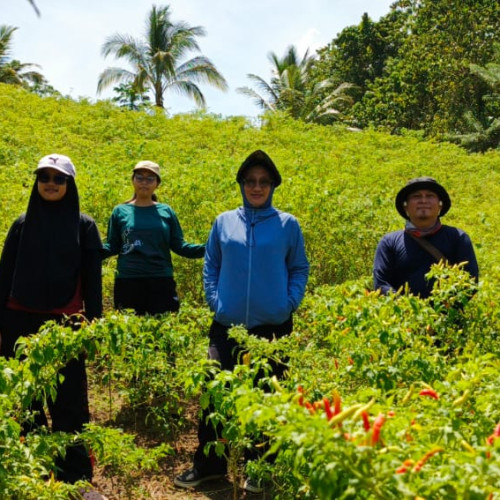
[143,232]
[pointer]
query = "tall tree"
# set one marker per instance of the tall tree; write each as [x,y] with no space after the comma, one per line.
[286,89]
[35,8]
[482,129]
[13,71]
[157,58]
[430,85]
[359,54]
[291,89]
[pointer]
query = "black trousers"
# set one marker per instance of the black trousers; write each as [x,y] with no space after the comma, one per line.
[227,351]
[146,295]
[70,409]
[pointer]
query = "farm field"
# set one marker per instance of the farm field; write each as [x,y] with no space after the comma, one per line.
[385,398]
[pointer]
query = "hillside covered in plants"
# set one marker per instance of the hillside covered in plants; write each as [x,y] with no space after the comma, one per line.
[340,184]
[350,348]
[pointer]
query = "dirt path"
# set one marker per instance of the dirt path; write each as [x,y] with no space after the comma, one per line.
[159,485]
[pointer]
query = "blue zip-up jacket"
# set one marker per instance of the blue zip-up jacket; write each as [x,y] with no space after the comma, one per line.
[256,269]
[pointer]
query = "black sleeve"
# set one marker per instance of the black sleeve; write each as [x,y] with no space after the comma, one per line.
[382,267]
[8,261]
[91,272]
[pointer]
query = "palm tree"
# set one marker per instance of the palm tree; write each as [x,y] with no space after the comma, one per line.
[13,71]
[286,89]
[35,8]
[292,90]
[156,60]
[5,41]
[483,126]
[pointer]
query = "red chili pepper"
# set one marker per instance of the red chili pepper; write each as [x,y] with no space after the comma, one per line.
[300,390]
[426,457]
[429,392]
[328,409]
[310,407]
[366,420]
[377,426]
[496,432]
[391,413]
[405,467]
[337,403]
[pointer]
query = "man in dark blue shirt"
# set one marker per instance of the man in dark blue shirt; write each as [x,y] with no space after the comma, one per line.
[401,259]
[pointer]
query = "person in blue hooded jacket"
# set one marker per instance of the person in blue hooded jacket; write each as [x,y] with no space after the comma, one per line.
[255,274]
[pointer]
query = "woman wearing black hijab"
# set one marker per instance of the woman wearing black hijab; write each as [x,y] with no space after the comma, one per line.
[50,269]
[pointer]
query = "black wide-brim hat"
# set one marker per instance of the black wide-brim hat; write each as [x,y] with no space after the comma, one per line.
[261,159]
[422,183]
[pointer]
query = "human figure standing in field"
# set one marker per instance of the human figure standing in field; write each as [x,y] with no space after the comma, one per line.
[255,274]
[143,232]
[404,257]
[50,269]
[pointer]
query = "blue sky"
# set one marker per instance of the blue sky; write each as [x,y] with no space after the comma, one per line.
[66,40]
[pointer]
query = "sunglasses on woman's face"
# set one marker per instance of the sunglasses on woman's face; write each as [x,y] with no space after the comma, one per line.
[58,179]
[148,179]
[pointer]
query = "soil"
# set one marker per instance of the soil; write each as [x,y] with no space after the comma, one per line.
[158,485]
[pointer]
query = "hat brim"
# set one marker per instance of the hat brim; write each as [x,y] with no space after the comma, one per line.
[402,196]
[149,169]
[53,167]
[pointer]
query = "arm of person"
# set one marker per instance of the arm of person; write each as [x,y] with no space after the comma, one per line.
[91,272]
[8,260]
[211,267]
[113,238]
[298,268]
[382,268]
[179,245]
[465,253]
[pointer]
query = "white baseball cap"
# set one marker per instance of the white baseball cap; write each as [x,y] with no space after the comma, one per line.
[58,162]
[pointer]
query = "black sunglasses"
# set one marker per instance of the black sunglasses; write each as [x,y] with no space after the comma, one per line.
[58,179]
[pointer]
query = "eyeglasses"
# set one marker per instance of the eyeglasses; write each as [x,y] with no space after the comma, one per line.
[251,183]
[149,179]
[58,179]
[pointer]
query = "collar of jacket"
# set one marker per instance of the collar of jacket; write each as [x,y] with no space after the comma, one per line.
[255,215]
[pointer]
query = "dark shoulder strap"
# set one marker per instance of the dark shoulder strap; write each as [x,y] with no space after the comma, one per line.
[429,247]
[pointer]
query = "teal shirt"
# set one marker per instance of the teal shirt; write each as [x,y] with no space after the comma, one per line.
[143,238]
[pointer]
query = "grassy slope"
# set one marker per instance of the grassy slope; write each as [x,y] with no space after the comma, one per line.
[340,184]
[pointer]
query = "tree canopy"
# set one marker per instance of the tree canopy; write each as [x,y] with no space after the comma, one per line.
[158,59]
[12,71]
[418,68]
[293,90]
